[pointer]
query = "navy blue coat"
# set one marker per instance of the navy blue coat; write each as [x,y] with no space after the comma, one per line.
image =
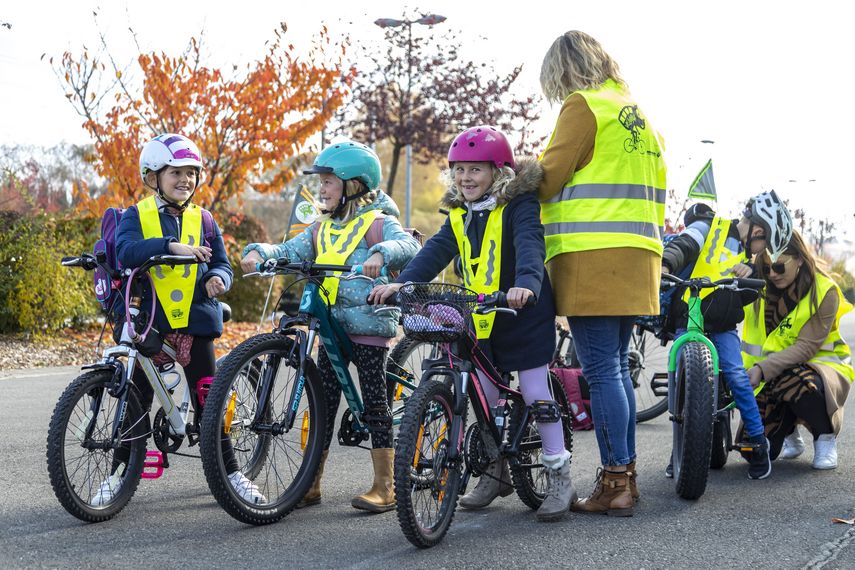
[206,314]
[527,340]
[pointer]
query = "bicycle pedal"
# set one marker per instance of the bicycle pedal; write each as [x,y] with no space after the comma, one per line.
[746,446]
[153,465]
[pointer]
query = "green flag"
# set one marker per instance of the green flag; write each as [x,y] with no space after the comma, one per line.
[704,185]
[303,213]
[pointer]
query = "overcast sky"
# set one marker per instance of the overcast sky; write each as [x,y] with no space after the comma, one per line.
[762,79]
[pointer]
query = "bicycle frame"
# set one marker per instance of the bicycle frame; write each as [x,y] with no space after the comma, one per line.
[467,386]
[315,315]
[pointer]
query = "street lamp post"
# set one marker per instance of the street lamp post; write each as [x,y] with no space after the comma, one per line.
[428,20]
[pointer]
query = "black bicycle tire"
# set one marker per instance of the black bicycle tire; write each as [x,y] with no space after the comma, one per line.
[399,355]
[404,453]
[522,477]
[719,452]
[210,450]
[693,435]
[55,454]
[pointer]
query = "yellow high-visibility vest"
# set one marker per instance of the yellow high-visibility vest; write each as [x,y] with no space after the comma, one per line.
[346,242]
[715,261]
[481,274]
[174,286]
[618,199]
[834,352]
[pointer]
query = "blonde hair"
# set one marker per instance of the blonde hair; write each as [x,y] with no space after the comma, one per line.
[501,178]
[574,62]
[351,187]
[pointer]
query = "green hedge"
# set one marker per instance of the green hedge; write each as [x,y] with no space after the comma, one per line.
[247,295]
[37,294]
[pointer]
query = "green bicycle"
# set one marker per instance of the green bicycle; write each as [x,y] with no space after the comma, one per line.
[267,399]
[699,402]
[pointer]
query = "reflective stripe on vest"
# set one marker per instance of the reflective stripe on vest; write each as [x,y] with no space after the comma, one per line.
[336,252]
[834,352]
[715,260]
[618,199]
[174,285]
[481,274]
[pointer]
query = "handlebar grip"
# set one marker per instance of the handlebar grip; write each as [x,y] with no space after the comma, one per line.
[748,283]
[70,261]
[500,299]
[391,301]
[358,270]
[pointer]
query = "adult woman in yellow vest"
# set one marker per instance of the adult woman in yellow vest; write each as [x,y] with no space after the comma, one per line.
[352,203]
[791,341]
[188,313]
[603,200]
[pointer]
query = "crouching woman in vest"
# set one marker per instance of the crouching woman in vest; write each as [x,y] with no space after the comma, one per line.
[791,341]
[351,204]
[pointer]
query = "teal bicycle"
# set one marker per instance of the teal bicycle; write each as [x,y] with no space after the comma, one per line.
[699,401]
[267,399]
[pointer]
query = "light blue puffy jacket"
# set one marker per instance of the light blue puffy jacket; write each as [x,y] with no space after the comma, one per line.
[398,248]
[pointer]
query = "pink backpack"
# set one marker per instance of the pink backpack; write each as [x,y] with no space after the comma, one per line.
[571,379]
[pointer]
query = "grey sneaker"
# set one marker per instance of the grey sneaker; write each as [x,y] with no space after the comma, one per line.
[793,446]
[560,494]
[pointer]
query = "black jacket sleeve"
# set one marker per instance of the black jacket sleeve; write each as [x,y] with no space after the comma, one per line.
[436,254]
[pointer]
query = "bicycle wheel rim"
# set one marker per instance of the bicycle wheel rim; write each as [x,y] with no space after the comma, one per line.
[88,479]
[276,463]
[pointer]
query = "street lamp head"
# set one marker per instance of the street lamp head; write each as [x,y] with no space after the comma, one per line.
[389,22]
[431,19]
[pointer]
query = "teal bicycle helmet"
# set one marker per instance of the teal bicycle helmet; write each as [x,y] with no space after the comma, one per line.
[349,159]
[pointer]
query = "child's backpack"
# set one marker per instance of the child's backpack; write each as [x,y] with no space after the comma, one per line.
[108,283]
[575,388]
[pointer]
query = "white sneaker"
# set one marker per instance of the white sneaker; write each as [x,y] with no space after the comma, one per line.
[108,489]
[825,452]
[248,491]
[793,446]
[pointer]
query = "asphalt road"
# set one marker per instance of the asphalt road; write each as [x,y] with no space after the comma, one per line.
[781,522]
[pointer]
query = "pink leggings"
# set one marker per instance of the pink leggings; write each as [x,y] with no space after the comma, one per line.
[534,385]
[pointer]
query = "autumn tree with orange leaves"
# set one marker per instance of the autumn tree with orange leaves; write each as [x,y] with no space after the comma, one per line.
[248,123]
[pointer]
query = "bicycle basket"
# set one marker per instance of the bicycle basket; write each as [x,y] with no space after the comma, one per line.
[436,312]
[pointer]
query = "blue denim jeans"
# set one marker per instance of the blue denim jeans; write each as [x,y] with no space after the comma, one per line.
[602,344]
[732,370]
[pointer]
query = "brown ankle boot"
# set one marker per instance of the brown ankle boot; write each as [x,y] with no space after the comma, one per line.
[633,486]
[313,495]
[611,495]
[381,497]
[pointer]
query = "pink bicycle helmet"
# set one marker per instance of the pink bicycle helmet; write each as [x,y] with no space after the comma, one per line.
[482,144]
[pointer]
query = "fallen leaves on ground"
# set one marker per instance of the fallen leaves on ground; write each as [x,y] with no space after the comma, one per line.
[843,521]
[78,346]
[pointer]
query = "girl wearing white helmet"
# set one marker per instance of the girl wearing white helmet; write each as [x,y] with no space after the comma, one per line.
[188,314]
[359,215]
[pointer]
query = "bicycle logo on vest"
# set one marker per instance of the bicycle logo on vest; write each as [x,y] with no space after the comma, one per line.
[632,121]
[785,325]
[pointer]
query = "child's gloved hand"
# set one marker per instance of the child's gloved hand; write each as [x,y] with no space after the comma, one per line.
[215,286]
[250,262]
[202,253]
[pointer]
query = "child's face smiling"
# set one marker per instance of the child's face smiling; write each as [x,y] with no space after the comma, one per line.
[331,189]
[473,179]
[178,182]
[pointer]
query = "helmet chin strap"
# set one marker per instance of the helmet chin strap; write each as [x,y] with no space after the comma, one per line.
[339,210]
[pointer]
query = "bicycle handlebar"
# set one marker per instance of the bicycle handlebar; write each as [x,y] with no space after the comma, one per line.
[704,283]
